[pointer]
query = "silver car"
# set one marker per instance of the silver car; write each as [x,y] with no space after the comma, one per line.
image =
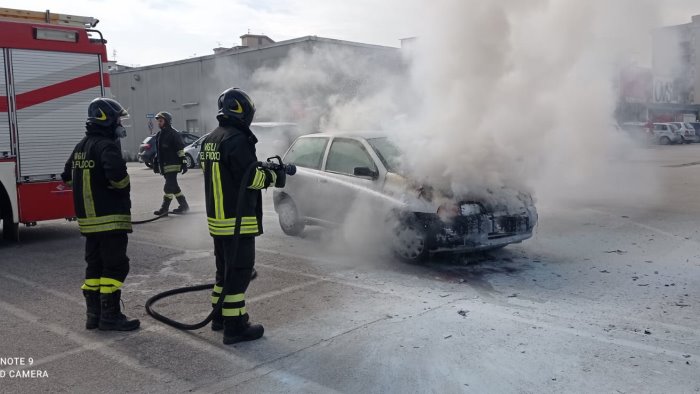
[687,132]
[192,151]
[335,172]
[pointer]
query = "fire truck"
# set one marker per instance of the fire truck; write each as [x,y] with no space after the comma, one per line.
[52,66]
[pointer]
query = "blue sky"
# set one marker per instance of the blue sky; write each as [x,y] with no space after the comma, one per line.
[154,31]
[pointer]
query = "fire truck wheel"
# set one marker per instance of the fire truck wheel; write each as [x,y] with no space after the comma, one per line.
[10,230]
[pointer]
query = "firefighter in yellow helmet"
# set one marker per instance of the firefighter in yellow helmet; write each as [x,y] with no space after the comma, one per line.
[101,195]
[226,154]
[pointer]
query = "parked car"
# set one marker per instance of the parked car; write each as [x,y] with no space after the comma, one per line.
[687,132]
[192,151]
[667,133]
[696,127]
[147,150]
[335,171]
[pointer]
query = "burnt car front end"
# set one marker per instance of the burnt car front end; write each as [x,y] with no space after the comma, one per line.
[475,226]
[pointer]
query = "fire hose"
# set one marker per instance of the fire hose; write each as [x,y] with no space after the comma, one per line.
[279,168]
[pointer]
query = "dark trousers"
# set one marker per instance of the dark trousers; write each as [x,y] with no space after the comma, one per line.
[171,188]
[107,263]
[240,268]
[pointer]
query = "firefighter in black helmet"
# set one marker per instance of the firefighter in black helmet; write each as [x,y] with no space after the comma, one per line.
[169,161]
[97,173]
[225,155]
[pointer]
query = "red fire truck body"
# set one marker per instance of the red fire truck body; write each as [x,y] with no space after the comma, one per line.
[52,67]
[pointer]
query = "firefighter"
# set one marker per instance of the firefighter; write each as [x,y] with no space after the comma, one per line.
[97,173]
[226,154]
[169,160]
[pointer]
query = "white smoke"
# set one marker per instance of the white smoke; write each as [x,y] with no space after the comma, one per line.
[516,94]
[521,93]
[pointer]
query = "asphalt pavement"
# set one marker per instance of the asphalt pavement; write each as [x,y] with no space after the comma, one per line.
[604,298]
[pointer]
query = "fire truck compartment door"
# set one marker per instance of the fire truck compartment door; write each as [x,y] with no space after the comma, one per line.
[52,90]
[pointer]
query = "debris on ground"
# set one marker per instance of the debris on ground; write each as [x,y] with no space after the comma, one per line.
[616,251]
[647,332]
[462,312]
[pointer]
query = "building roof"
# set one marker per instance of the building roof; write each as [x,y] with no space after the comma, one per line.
[238,50]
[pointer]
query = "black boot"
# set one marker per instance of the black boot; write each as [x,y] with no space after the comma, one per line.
[92,301]
[183,205]
[164,208]
[217,321]
[111,316]
[238,329]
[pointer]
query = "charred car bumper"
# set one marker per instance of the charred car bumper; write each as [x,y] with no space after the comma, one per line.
[475,233]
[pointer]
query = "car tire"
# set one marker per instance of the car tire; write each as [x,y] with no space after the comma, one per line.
[289,218]
[665,141]
[410,242]
[190,161]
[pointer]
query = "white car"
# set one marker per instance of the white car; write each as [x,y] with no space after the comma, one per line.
[338,171]
[667,133]
[687,132]
[192,151]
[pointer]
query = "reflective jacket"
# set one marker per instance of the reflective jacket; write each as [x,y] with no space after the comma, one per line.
[225,155]
[97,173]
[170,154]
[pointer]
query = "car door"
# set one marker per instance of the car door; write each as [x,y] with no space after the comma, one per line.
[307,154]
[340,188]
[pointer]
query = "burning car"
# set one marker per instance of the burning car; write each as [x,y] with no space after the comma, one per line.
[336,171]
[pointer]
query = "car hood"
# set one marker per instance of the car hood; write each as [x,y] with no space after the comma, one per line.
[419,197]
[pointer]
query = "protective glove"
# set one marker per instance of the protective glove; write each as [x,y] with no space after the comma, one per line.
[156,166]
[184,168]
[280,178]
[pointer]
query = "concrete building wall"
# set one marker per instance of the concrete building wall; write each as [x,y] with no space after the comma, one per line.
[189,88]
[676,63]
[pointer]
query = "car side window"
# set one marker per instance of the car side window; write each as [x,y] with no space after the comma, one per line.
[345,155]
[307,152]
[188,139]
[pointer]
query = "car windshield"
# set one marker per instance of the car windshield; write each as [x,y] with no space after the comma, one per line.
[145,141]
[388,153]
[689,126]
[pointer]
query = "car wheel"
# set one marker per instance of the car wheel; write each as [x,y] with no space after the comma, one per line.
[289,218]
[410,242]
[664,141]
[190,161]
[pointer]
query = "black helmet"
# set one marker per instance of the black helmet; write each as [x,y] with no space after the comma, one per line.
[165,115]
[235,103]
[105,112]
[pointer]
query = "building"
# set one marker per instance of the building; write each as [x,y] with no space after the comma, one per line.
[189,88]
[675,93]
